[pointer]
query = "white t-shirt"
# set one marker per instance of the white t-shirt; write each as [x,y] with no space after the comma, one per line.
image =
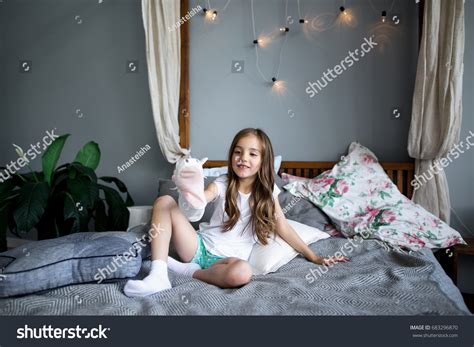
[235,242]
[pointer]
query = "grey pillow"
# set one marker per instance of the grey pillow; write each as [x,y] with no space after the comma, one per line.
[301,210]
[76,258]
[167,187]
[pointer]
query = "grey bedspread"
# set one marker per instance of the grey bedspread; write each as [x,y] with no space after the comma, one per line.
[374,282]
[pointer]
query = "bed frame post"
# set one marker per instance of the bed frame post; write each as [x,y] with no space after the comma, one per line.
[183,116]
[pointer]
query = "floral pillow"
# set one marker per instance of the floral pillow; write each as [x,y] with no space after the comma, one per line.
[287,178]
[361,199]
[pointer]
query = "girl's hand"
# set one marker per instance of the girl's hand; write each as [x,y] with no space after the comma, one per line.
[328,260]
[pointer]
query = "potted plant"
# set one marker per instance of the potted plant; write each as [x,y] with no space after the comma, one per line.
[62,200]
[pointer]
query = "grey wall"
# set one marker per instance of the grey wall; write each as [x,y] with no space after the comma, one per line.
[356,106]
[82,66]
[79,67]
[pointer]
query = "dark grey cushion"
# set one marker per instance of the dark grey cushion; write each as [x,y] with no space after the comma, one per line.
[76,258]
[301,210]
[167,187]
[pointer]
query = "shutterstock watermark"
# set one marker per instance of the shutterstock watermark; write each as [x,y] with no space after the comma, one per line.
[119,260]
[444,162]
[184,19]
[24,158]
[48,332]
[294,200]
[328,76]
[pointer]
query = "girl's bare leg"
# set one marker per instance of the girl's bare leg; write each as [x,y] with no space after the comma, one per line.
[226,273]
[170,225]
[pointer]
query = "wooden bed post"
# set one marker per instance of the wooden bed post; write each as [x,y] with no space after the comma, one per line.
[183,117]
[421,10]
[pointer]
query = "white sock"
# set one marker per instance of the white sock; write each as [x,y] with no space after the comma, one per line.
[186,269]
[157,280]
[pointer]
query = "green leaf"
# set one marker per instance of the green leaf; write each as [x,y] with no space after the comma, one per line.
[70,211]
[84,171]
[59,178]
[83,191]
[51,156]
[31,177]
[3,227]
[89,155]
[100,217]
[32,202]
[6,186]
[118,212]
[7,191]
[8,197]
[121,186]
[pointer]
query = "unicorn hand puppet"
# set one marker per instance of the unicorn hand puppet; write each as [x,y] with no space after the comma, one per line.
[188,176]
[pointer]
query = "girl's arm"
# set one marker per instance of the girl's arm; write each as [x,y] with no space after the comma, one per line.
[211,192]
[287,233]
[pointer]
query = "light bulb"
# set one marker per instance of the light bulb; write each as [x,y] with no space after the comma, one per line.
[278,85]
[303,21]
[384,16]
[343,10]
[214,15]
[284,29]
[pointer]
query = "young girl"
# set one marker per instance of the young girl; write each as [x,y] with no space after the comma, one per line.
[247,209]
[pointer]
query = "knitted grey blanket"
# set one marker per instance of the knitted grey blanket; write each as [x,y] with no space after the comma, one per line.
[374,282]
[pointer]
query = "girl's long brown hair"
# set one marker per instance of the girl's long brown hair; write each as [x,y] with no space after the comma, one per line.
[261,201]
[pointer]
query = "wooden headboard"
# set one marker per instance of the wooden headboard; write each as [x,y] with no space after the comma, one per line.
[401,173]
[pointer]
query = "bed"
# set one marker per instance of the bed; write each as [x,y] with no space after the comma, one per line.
[374,282]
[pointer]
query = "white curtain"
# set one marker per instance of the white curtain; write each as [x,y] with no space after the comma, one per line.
[437,110]
[163,51]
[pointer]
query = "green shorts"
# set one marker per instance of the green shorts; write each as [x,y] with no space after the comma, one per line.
[202,257]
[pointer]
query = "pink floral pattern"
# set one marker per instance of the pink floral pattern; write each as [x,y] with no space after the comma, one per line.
[358,196]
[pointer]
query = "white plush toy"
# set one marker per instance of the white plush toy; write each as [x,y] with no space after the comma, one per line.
[189,178]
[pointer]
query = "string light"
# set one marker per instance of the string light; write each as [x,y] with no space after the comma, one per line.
[211,13]
[302,20]
[275,82]
[207,13]
[384,13]
[261,41]
[278,85]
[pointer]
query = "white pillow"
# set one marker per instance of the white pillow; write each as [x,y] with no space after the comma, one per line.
[217,171]
[269,258]
[139,215]
[277,163]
